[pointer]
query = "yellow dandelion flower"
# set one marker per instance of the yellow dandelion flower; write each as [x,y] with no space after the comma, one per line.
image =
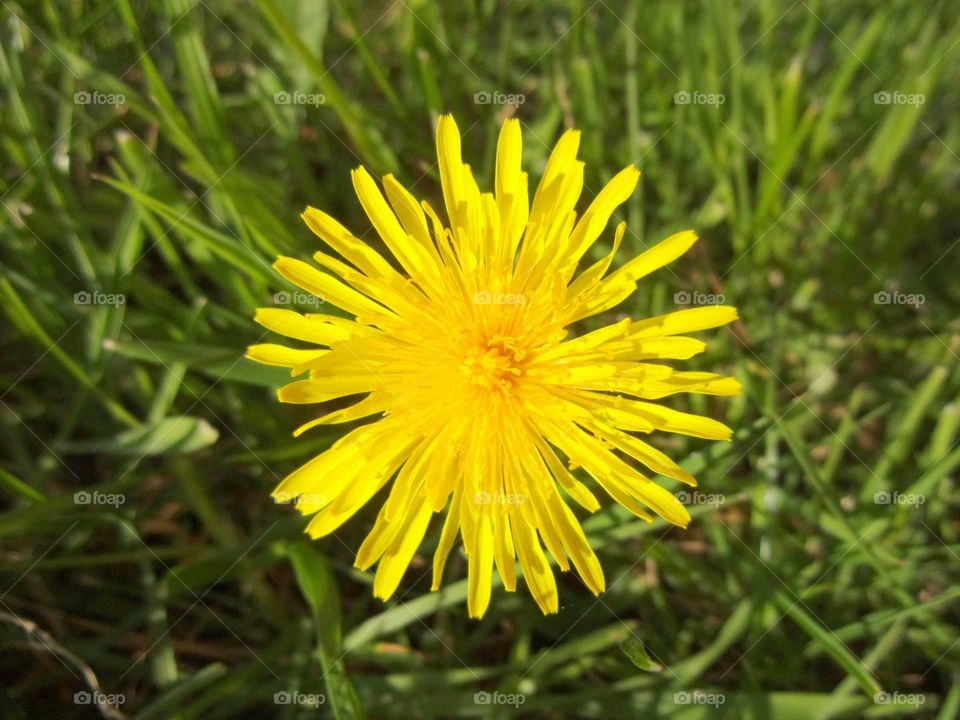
[479,403]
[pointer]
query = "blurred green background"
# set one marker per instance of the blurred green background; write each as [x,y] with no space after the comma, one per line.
[155,159]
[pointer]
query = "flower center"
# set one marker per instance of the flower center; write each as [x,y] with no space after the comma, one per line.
[495,363]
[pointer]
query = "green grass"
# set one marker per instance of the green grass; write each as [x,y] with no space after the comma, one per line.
[798,596]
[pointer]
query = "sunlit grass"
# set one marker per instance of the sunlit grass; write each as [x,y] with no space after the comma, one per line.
[155,160]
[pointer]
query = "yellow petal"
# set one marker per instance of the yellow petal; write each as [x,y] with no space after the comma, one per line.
[647,454]
[613,473]
[373,403]
[671,420]
[575,543]
[562,159]
[616,288]
[448,157]
[511,189]
[589,277]
[503,551]
[414,257]
[410,214]
[322,390]
[595,219]
[361,485]
[271,354]
[536,570]
[684,321]
[340,239]
[309,328]
[328,288]
[451,527]
[362,450]
[694,382]
[575,489]
[397,558]
[480,567]
[663,253]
